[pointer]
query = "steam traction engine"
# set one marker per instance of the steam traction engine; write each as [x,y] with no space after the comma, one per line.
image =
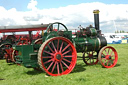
[58,53]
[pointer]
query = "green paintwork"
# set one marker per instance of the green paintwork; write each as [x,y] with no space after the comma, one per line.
[27,56]
[80,44]
[93,31]
[87,44]
[28,53]
[93,44]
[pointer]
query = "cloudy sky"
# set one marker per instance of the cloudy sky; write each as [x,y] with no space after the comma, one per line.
[113,13]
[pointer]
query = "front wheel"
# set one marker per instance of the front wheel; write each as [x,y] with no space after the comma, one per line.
[57,56]
[108,57]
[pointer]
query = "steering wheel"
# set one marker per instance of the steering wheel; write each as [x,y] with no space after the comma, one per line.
[50,27]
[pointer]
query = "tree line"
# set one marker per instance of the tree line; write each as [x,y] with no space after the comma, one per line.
[120,31]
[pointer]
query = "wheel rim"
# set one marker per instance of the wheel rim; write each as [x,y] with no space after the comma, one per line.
[7,52]
[57,56]
[38,41]
[14,53]
[90,58]
[108,57]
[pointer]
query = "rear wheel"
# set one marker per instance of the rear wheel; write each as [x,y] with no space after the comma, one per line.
[57,56]
[38,41]
[108,57]
[14,53]
[7,50]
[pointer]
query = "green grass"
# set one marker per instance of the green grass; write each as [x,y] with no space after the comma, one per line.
[81,75]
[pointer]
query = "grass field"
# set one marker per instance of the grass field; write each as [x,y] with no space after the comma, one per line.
[11,74]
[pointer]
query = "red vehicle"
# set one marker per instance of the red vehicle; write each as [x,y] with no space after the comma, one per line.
[7,41]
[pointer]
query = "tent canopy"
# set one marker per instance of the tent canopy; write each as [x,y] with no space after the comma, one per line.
[21,28]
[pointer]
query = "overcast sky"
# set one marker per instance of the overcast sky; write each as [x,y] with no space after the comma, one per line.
[113,13]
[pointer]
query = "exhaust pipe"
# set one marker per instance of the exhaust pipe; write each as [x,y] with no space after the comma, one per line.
[96,19]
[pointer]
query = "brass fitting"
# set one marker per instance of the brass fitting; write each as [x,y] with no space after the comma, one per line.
[96,11]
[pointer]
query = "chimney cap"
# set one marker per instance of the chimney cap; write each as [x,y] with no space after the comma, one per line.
[96,11]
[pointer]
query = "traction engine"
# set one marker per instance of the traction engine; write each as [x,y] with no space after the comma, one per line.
[57,54]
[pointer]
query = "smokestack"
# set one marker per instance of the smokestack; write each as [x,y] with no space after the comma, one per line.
[96,19]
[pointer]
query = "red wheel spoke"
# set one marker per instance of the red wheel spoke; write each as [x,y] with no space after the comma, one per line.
[58,45]
[110,62]
[68,56]
[53,67]
[106,51]
[57,56]
[65,47]
[110,59]
[50,49]
[61,67]
[54,47]
[65,64]
[90,59]
[111,53]
[58,68]
[66,52]
[103,58]
[66,60]
[50,66]
[49,53]
[103,54]
[107,62]
[46,56]
[48,61]
[104,62]
[61,47]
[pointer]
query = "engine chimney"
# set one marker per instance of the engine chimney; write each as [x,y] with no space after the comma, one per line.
[96,19]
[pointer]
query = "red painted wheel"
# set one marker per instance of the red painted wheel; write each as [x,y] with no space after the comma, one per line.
[14,53]
[90,58]
[7,55]
[7,50]
[38,41]
[108,57]
[57,56]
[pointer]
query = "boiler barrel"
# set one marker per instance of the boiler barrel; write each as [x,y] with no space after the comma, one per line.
[95,44]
